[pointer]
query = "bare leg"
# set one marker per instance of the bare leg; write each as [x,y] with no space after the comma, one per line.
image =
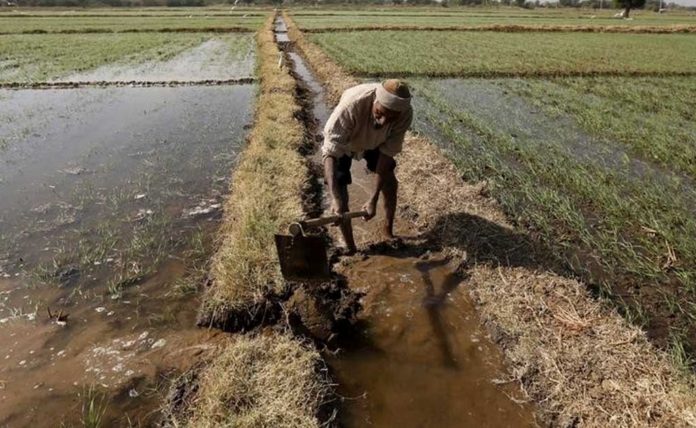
[346,226]
[389,190]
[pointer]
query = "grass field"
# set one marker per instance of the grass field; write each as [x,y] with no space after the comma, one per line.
[445,53]
[30,58]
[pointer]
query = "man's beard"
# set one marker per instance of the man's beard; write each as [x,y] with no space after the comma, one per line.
[377,125]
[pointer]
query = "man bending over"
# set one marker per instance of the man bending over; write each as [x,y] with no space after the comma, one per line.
[369,123]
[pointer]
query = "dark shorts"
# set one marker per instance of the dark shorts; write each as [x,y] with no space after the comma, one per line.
[343,164]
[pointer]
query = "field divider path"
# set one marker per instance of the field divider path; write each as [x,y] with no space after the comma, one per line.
[131,83]
[135,30]
[575,357]
[266,374]
[512,28]
[532,74]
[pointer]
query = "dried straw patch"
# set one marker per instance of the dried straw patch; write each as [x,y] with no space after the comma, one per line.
[261,381]
[515,28]
[577,359]
[265,196]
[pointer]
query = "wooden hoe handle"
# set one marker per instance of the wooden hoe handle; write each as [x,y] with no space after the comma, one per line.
[322,221]
[297,229]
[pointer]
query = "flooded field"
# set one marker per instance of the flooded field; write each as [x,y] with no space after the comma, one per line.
[26,59]
[220,58]
[612,193]
[110,198]
[420,356]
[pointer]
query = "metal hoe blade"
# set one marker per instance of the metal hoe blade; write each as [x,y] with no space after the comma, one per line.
[302,257]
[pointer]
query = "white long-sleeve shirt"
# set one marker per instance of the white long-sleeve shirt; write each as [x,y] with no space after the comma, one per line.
[350,129]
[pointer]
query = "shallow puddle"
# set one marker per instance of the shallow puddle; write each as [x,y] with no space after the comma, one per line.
[420,357]
[109,199]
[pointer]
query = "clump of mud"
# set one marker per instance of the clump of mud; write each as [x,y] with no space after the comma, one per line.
[323,311]
[316,310]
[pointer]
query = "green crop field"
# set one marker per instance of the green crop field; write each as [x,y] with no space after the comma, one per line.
[454,53]
[30,58]
[57,23]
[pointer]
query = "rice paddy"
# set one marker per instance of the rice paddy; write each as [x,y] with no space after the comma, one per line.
[112,193]
[571,235]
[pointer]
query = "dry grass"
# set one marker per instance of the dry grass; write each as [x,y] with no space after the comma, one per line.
[269,380]
[577,359]
[265,196]
[516,28]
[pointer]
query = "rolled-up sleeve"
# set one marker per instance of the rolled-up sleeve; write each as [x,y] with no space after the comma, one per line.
[395,140]
[337,132]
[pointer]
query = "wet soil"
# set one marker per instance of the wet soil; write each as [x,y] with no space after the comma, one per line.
[418,356]
[214,59]
[110,200]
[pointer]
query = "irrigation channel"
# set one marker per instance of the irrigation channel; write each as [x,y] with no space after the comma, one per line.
[109,200]
[420,356]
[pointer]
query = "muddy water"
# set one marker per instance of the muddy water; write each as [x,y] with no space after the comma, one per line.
[420,357]
[108,202]
[423,359]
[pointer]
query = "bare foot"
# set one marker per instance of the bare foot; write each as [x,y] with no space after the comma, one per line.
[345,251]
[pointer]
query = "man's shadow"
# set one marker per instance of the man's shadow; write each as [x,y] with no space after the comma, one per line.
[483,242]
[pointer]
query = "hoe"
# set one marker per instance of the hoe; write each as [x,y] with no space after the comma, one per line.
[304,257]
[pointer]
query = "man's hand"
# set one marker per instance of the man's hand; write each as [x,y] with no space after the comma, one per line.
[337,209]
[371,208]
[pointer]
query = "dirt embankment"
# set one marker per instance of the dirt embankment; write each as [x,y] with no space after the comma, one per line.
[576,358]
[516,28]
[272,375]
[125,83]
[136,30]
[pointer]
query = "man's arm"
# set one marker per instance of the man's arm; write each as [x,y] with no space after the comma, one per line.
[336,133]
[384,171]
[337,204]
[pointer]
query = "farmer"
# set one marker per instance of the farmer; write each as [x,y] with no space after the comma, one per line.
[369,123]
